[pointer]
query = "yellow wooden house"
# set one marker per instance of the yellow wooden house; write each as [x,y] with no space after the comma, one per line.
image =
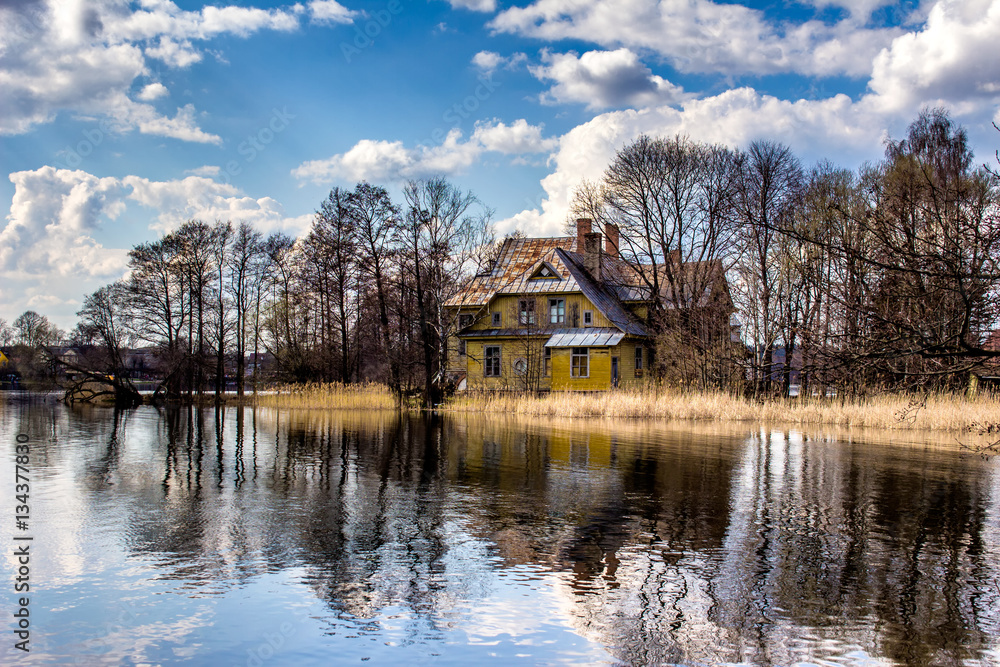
[551,314]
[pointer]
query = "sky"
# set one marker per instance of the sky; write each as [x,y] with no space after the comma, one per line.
[120,120]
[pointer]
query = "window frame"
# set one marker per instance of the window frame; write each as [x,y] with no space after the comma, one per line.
[588,318]
[492,367]
[579,363]
[520,366]
[525,312]
[559,316]
[547,362]
[496,319]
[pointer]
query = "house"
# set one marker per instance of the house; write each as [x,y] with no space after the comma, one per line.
[564,314]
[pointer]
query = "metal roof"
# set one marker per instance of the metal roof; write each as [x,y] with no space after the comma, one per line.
[601,295]
[586,338]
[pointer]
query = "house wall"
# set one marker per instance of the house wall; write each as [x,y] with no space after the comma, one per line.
[507,306]
[511,349]
[599,378]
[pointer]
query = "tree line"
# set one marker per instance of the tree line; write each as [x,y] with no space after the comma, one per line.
[839,279]
[887,276]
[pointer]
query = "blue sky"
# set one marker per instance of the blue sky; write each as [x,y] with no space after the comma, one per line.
[119,120]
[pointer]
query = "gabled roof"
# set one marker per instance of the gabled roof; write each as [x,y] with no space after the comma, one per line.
[512,273]
[603,295]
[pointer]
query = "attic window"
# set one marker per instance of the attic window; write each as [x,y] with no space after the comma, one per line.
[545,272]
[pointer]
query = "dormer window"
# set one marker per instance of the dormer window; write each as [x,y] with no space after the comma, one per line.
[545,272]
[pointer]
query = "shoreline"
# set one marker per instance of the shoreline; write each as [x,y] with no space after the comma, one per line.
[891,411]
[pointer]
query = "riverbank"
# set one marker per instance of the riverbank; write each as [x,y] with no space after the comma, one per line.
[328,396]
[946,412]
[893,411]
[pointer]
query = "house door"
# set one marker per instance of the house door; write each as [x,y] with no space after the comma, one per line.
[614,371]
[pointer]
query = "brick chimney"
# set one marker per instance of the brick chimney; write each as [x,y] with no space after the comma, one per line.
[611,239]
[592,254]
[582,229]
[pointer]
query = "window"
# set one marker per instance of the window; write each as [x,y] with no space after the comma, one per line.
[638,361]
[545,272]
[588,318]
[557,311]
[461,347]
[464,321]
[547,369]
[521,366]
[579,362]
[491,361]
[496,319]
[526,311]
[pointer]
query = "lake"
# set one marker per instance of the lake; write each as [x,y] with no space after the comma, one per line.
[239,537]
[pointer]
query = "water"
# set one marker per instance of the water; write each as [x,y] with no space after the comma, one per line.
[191,536]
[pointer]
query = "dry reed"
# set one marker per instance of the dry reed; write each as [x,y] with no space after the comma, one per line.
[886,411]
[329,396]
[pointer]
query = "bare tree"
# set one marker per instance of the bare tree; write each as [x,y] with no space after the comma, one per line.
[768,191]
[105,319]
[672,201]
[376,223]
[247,251]
[440,234]
[222,236]
[6,333]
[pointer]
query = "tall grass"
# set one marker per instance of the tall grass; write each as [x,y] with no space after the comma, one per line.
[886,411]
[329,396]
[935,411]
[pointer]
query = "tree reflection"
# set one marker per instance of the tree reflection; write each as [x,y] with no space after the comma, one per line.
[665,545]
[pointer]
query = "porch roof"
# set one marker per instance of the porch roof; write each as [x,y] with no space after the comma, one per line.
[586,338]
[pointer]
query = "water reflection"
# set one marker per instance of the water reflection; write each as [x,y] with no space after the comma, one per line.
[655,544]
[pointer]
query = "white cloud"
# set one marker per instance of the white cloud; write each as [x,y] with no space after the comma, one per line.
[950,60]
[53,216]
[55,213]
[330,11]
[474,5]
[175,54]
[84,56]
[602,79]
[518,138]
[153,91]
[813,129]
[391,161]
[199,197]
[860,10]
[205,170]
[489,61]
[703,36]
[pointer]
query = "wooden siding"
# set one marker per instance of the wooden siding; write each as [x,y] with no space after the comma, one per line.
[599,366]
[507,306]
[510,350]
